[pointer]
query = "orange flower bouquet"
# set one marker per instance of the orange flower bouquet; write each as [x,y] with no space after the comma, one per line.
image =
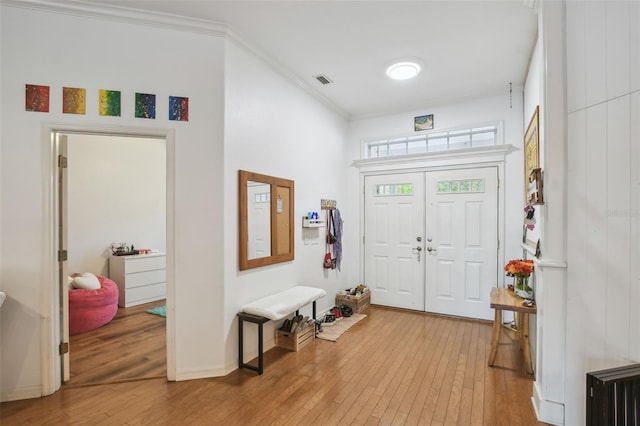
[521,269]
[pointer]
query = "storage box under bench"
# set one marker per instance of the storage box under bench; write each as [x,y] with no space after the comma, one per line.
[295,341]
[358,303]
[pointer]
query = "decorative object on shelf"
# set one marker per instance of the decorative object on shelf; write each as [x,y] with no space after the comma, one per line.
[312,220]
[531,151]
[522,288]
[534,193]
[123,249]
[529,221]
[521,269]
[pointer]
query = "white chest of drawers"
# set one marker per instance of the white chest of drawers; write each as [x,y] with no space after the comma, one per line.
[141,278]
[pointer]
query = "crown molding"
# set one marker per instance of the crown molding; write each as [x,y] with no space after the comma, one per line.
[122,14]
[285,72]
[161,20]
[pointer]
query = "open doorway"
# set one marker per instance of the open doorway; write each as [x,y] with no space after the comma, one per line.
[115,193]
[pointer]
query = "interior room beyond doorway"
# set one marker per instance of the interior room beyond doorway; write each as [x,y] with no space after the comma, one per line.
[116,193]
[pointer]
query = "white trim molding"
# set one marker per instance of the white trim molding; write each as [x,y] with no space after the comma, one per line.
[547,411]
[492,156]
[50,319]
[470,157]
[123,14]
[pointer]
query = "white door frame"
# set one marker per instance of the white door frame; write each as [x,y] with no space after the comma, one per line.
[493,156]
[50,331]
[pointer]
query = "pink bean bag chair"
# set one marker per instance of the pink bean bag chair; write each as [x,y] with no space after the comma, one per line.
[90,309]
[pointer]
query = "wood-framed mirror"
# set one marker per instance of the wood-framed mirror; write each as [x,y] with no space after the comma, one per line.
[266,232]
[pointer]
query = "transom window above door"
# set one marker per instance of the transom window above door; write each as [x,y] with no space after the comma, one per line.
[436,141]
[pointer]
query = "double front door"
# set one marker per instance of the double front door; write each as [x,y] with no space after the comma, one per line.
[431,240]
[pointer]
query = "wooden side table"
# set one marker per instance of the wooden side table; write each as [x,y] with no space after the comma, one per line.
[504,300]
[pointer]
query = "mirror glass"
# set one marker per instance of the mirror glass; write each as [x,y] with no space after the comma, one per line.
[265,220]
[258,219]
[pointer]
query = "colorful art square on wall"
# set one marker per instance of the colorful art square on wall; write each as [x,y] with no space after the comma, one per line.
[145,105]
[74,100]
[36,98]
[109,103]
[178,108]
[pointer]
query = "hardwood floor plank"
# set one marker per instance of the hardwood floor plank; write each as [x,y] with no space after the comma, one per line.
[131,347]
[435,383]
[395,367]
[436,327]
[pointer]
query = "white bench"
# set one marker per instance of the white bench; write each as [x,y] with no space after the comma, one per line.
[273,307]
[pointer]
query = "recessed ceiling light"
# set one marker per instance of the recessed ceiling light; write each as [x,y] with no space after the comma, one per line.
[403,70]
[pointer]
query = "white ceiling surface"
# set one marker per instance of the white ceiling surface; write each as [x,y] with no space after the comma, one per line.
[468,49]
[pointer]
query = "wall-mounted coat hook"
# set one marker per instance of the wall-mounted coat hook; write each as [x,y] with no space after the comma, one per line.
[328,204]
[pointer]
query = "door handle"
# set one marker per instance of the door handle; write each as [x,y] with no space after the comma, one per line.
[431,250]
[419,250]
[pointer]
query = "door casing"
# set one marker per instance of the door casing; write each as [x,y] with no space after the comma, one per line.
[493,156]
[51,330]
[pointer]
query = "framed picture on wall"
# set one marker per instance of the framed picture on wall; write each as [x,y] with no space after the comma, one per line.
[423,122]
[531,151]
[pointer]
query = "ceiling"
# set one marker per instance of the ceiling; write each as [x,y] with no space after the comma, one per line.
[467,49]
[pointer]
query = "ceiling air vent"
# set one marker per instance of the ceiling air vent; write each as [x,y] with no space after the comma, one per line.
[323,79]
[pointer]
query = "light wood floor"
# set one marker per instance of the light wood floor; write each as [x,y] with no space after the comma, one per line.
[393,368]
[132,346]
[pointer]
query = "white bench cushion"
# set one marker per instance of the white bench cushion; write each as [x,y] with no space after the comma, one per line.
[281,304]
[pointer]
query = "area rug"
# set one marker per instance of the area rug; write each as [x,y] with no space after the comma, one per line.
[332,332]
[159,310]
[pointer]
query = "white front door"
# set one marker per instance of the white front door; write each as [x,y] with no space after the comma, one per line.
[394,221]
[461,241]
[438,255]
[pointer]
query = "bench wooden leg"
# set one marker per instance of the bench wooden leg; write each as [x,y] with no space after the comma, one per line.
[495,336]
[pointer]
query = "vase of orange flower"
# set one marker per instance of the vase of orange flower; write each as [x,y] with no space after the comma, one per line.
[521,269]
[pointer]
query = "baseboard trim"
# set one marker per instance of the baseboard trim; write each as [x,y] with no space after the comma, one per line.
[199,374]
[547,411]
[22,393]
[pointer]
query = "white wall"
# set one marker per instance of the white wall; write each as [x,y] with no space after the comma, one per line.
[550,266]
[481,111]
[533,97]
[603,295]
[59,50]
[116,192]
[273,127]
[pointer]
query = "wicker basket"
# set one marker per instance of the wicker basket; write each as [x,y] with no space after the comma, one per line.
[359,303]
